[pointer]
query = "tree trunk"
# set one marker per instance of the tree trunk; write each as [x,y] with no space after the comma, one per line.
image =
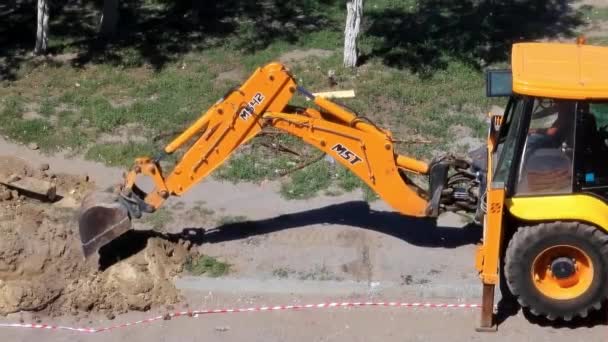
[109,18]
[354,9]
[42,27]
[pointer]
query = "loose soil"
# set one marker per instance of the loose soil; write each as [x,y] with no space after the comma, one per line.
[42,266]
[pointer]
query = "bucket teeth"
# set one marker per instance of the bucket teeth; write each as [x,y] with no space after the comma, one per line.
[102,219]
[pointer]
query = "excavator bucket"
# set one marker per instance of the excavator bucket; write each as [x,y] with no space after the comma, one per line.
[102,218]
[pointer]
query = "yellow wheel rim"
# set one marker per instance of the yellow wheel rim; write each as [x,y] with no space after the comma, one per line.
[562,288]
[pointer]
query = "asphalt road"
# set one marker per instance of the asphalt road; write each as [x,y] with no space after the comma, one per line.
[336,324]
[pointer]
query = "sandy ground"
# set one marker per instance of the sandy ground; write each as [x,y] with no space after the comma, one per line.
[324,249]
[42,268]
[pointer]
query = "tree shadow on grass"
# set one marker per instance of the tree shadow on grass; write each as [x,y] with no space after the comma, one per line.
[155,34]
[13,47]
[476,32]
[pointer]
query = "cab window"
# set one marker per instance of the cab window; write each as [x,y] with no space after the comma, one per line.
[547,157]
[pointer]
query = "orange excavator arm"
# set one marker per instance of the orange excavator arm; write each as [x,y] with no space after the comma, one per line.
[262,101]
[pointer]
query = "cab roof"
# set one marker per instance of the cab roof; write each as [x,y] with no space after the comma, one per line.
[559,70]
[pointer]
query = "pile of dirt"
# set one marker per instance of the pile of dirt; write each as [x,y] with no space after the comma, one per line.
[41,262]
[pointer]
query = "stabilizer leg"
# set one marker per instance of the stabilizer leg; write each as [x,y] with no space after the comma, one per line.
[487,322]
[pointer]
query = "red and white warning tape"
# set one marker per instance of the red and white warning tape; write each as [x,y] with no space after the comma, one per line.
[196,313]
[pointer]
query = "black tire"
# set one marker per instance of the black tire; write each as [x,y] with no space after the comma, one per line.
[528,242]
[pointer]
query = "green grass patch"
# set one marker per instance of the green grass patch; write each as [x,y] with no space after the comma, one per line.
[48,106]
[47,135]
[347,180]
[117,154]
[12,106]
[252,168]
[206,265]
[28,131]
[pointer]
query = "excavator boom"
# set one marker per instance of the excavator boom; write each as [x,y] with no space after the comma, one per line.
[263,101]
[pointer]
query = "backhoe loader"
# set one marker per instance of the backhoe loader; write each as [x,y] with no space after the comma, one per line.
[539,185]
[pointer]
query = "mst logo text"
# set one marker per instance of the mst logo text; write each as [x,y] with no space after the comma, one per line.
[346,154]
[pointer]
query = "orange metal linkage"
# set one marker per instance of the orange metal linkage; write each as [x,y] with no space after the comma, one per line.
[262,101]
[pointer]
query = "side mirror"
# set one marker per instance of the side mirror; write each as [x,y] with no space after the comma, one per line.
[499,83]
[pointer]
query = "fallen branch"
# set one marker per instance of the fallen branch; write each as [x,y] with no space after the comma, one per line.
[280,148]
[263,133]
[303,165]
